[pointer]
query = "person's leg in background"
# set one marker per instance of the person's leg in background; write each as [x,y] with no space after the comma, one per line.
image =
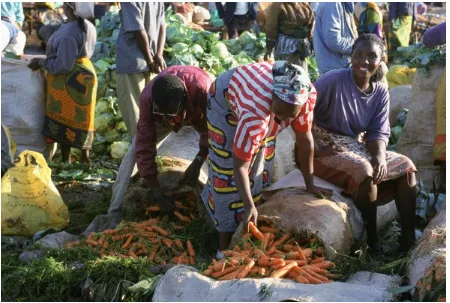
[129,88]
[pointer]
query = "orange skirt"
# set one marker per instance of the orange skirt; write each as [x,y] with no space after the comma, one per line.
[70,106]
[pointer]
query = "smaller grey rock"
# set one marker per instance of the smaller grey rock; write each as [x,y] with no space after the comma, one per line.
[30,256]
[57,240]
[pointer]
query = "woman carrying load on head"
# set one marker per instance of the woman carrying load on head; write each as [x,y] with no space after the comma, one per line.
[351,131]
[369,19]
[289,32]
[71,82]
[247,108]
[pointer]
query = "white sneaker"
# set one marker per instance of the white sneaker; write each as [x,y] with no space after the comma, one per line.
[219,255]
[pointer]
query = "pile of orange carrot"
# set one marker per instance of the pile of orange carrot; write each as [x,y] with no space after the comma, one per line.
[185,207]
[151,239]
[267,252]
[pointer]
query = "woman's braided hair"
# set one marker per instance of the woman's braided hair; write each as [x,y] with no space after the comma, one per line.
[374,39]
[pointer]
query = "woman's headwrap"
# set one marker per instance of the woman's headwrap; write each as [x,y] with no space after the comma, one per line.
[84,10]
[291,83]
[360,7]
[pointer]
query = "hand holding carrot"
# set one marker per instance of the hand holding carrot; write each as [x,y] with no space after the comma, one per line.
[250,215]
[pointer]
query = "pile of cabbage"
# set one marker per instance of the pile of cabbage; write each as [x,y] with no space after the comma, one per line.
[185,46]
[111,136]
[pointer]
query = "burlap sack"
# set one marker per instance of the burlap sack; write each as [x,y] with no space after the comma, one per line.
[426,263]
[401,97]
[417,137]
[336,221]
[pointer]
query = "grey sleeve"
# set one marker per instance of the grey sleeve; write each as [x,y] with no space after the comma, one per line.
[65,58]
[131,17]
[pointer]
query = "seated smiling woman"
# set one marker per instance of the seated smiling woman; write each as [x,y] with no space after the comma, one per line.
[351,133]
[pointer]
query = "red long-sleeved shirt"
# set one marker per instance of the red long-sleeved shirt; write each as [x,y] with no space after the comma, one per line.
[197,83]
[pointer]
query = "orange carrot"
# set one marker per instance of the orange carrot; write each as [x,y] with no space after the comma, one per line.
[318,260]
[167,242]
[132,254]
[255,269]
[307,252]
[310,278]
[154,208]
[127,242]
[246,270]
[160,231]
[282,239]
[323,265]
[271,250]
[288,247]
[219,265]
[91,242]
[208,272]
[271,240]
[301,279]
[237,248]
[270,261]
[262,271]
[223,272]
[293,255]
[247,236]
[280,273]
[301,254]
[255,231]
[268,229]
[182,217]
[233,275]
[178,243]
[247,246]
[265,242]
[316,275]
[190,249]
[259,253]
[178,227]
[152,253]
[105,244]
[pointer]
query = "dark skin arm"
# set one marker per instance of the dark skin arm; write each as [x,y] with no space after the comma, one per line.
[240,170]
[305,144]
[377,149]
[160,64]
[144,47]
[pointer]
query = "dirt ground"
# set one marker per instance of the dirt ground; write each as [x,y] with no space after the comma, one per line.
[84,204]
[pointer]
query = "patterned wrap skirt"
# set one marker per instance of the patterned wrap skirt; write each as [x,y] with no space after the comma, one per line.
[220,195]
[70,106]
[400,32]
[348,169]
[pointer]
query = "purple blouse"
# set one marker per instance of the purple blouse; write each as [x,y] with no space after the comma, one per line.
[342,108]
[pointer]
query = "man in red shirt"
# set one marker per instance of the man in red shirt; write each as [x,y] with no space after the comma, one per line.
[176,97]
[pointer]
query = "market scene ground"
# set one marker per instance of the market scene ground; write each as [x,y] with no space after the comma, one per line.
[238,151]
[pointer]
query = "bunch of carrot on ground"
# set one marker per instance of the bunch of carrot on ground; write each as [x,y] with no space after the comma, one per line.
[185,207]
[155,239]
[265,251]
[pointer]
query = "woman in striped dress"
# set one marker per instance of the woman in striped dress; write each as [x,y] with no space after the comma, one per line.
[247,108]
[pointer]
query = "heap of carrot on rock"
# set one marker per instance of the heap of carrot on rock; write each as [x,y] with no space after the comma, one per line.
[268,252]
[156,239]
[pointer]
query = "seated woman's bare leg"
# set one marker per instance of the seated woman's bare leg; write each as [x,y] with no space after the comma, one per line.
[365,201]
[405,200]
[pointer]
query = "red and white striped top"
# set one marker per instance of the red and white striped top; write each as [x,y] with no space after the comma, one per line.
[250,96]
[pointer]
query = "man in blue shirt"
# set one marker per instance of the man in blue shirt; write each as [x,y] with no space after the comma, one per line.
[334,35]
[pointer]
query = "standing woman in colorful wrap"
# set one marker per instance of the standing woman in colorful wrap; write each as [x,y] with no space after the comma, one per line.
[401,18]
[247,108]
[71,82]
[289,28]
